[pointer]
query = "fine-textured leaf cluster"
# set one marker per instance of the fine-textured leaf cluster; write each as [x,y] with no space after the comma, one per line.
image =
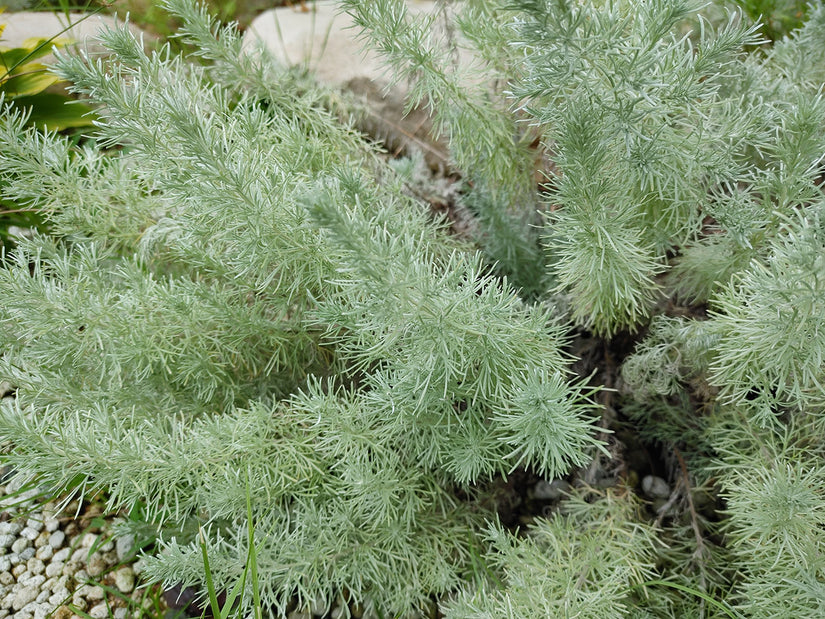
[245,326]
[240,300]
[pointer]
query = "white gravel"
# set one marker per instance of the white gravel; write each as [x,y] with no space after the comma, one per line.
[46,564]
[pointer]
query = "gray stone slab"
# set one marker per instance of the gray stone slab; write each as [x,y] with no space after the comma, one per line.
[77,27]
[321,39]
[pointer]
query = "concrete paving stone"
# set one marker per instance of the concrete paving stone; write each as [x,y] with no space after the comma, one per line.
[322,39]
[82,28]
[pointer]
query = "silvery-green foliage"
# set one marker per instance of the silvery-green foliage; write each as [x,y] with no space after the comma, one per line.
[648,129]
[772,351]
[581,562]
[673,351]
[774,483]
[762,346]
[455,346]
[665,141]
[241,302]
[428,54]
[635,114]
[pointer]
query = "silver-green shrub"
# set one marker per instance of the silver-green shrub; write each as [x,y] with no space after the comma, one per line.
[239,300]
[684,166]
[241,309]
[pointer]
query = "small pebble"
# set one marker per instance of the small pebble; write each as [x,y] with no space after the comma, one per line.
[120,613]
[655,487]
[52,525]
[42,610]
[45,553]
[42,539]
[35,565]
[81,576]
[61,555]
[23,596]
[54,569]
[96,565]
[10,528]
[29,533]
[125,580]
[55,599]
[27,554]
[19,570]
[5,564]
[34,523]
[19,545]
[125,547]
[110,557]
[6,578]
[100,611]
[62,613]
[94,593]
[79,555]
[6,540]
[88,540]
[138,566]
[35,582]
[79,602]
[56,539]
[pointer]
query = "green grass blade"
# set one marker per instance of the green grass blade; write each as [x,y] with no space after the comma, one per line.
[723,606]
[252,558]
[210,585]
